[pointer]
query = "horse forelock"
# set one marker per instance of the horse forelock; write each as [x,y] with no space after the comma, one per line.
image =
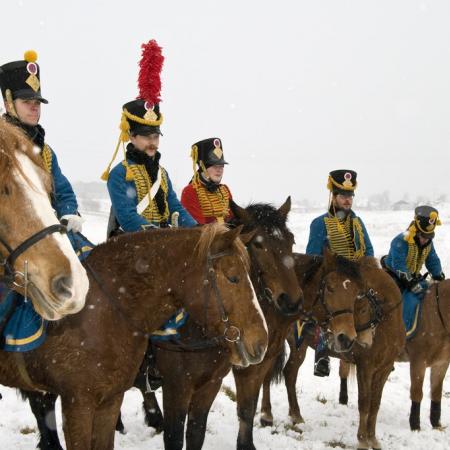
[268,217]
[348,268]
[13,142]
[208,235]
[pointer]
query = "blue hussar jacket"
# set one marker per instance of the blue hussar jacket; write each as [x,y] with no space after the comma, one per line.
[318,238]
[63,198]
[124,201]
[396,259]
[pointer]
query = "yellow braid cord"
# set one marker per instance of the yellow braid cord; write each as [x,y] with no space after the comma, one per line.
[105,174]
[415,259]
[340,237]
[332,182]
[143,184]
[214,204]
[151,123]
[10,103]
[47,158]
[194,156]
[410,234]
[123,137]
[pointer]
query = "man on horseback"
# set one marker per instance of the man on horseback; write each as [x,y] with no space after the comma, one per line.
[343,233]
[21,90]
[205,197]
[409,251]
[141,192]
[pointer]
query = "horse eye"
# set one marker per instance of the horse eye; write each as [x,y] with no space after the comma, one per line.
[329,288]
[233,279]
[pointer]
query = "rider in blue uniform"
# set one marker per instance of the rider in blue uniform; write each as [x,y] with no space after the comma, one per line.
[140,189]
[408,253]
[343,233]
[21,91]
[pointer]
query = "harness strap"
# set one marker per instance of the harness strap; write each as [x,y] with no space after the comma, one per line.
[20,360]
[439,309]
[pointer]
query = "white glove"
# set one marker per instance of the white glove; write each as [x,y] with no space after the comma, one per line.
[74,222]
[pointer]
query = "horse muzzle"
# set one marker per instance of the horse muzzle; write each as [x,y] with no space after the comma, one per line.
[342,343]
[251,356]
[288,307]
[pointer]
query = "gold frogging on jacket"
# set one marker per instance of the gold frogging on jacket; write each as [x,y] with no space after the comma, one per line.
[213,204]
[340,237]
[143,184]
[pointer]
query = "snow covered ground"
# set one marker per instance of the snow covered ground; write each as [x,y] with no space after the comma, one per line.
[328,424]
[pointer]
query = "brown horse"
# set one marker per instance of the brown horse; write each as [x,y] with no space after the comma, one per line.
[429,347]
[366,291]
[47,269]
[138,280]
[192,378]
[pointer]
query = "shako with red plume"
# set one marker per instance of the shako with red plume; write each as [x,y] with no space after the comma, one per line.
[142,116]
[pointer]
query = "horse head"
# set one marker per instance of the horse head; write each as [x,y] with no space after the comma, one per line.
[225,302]
[332,287]
[36,255]
[270,250]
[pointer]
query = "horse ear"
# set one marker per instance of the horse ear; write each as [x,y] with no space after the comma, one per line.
[329,260]
[247,237]
[284,209]
[225,241]
[240,213]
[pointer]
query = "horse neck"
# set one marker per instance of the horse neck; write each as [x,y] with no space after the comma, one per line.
[143,276]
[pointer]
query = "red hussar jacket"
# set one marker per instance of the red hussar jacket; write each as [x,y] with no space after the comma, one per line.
[205,206]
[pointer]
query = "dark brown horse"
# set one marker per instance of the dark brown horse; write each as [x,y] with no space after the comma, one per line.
[137,281]
[192,378]
[372,297]
[429,347]
[35,252]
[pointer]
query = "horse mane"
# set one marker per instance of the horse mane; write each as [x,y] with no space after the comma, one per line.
[12,141]
[311,268]
[344,266]
[203,238]
[267,216]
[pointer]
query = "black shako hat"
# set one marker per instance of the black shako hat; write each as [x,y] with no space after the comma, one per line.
[21,79]
[142,117]
[342,181]
[426,218]
[207,153]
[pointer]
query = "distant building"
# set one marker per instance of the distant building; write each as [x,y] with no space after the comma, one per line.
[402,205]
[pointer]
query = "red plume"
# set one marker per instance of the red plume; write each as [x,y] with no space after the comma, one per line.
[150,67]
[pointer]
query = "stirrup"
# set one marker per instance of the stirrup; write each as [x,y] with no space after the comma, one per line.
[322,367]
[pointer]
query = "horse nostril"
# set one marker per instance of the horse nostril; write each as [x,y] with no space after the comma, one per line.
[62,286]
[287,305]
[344,341]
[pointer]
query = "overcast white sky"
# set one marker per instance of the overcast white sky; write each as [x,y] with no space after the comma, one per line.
[294,88]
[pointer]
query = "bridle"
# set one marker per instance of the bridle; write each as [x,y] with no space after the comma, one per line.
[231,333]
[376,310]
[12,277]
[329,314]
[262,291]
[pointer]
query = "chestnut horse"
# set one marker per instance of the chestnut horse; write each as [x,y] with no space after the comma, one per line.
[138,281]
[429,347]
[46,269]
[372,300]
